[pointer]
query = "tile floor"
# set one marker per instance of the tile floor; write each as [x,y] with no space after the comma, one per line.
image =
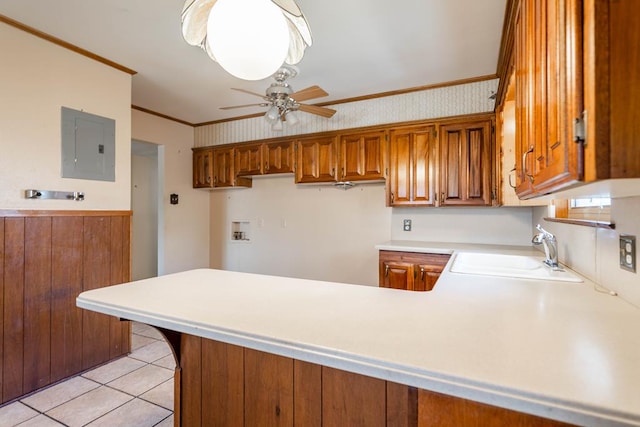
[135,391]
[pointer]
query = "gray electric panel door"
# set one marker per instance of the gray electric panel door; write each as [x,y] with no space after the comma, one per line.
[88,146]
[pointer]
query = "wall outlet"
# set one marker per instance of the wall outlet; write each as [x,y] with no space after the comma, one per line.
[406,225]
[628,252]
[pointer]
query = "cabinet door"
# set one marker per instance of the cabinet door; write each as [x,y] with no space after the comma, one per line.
[248,160]
[426,277]
[465,164]
[396,275]
[411,164]
[223,167]
[202,168]
[316,160]
[279,157]
[362,156]
[548,66]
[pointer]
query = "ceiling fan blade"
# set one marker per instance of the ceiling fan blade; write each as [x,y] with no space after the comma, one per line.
[320,111]
[250,93]
[309,93]
[245,105]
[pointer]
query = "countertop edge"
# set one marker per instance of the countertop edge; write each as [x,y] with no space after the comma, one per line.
[547,407]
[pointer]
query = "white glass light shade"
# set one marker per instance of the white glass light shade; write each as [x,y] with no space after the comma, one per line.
[273,115]
[249,38]
[292,118]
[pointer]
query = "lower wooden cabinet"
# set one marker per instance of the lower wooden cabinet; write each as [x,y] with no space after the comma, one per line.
[220,384]
[410,271]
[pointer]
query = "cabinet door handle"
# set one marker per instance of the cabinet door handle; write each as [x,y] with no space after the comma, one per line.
[386,270]
[422,273]
[524,164]
[266,166]
[392,197]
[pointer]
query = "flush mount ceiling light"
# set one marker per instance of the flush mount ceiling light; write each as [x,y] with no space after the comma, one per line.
[250,39]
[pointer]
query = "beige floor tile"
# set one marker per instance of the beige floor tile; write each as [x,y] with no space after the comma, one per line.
[116,369]
[86,408]
[168,362]
[136,413]
[60,393]
[15,413]
[167,422]
[161,395]
[41,421]
[146,330]
[138,341]
[142,380]
[152,352]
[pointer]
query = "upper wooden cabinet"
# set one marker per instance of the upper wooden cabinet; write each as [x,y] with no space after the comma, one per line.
[412,158]
[213,167]
[203,168]
[574,56]
[317,159]
[279,157]
[248,159]
[264,159]
[363,156]
[465,164]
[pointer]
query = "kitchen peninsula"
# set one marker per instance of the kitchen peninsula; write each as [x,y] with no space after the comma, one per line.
[305,352]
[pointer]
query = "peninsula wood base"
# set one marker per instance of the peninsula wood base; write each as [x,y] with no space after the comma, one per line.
[219,384]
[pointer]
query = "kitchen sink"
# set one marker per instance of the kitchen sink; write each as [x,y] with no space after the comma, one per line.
[520,266]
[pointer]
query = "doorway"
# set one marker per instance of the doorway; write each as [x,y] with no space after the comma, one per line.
[146,184]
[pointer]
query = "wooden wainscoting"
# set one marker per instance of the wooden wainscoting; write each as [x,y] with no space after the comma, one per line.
[46,259]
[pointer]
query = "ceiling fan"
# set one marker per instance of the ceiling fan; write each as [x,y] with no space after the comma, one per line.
[284,102]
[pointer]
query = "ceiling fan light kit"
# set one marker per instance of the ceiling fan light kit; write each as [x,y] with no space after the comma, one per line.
[283,102]
[250,39]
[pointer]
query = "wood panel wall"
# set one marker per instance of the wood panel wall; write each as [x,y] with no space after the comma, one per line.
[47,258]
[219,384]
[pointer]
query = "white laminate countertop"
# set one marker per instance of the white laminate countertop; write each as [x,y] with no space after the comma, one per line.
[559,350]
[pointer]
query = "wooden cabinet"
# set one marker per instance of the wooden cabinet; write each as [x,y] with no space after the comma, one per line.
[412,158]
[203,168]
[410,270]
[465,164]
[316,159]
[363,156]
[279,157]
[213,167]
[264,159]
[574,56]
[248,159]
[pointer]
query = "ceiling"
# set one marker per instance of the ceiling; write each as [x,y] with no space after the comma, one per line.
[360,48]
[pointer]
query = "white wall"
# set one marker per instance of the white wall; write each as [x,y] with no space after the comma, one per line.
[593,252]
[314,232]
[37,78]
[184,236]
[324,233]
[503,226]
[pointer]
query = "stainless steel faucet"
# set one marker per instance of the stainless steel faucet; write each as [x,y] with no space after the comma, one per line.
[550,245]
